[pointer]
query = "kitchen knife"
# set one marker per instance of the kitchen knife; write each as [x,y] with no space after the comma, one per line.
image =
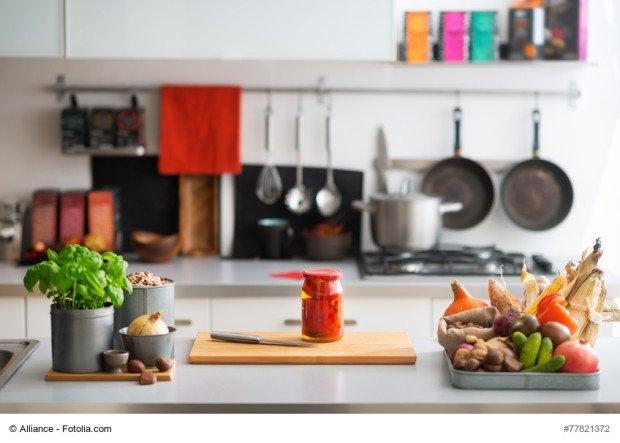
[256,339]
[382,161]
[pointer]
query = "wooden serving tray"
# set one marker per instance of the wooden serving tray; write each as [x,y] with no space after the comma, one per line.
[355,348]
[52,375]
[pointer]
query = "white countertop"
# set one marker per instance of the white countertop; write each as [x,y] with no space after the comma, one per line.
[214,275]
[198,276]
[423,387]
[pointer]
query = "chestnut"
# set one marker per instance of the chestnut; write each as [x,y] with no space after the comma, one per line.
[147,378]
[164,364]
[135,366]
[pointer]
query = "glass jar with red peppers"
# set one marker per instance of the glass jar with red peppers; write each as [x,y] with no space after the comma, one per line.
[322,318]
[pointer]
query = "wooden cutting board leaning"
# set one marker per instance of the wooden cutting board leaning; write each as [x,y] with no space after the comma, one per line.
[382,348]
[52,375]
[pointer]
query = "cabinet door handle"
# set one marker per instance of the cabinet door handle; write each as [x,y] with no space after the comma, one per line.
[182,322]
[297,322]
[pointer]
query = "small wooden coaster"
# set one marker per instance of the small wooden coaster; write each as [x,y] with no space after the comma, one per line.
[52,375]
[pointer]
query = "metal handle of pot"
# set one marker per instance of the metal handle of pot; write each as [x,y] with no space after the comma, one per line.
[450,207]
[363,206]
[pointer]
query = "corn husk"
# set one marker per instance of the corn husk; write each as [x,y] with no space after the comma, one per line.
[584,302]
[571,271]
[588,263]
[611,312]
[530,290]
[590,332]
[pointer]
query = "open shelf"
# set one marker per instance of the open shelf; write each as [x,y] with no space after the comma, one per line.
[499,63]
[128,151]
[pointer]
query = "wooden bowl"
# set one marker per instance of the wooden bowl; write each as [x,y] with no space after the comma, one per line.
[155,248]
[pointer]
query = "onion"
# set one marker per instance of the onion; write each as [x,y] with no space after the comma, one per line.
[149,324]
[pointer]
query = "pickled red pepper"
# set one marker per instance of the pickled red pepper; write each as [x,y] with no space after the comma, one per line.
[321,305]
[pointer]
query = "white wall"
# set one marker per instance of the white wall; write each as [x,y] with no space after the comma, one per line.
[578,139]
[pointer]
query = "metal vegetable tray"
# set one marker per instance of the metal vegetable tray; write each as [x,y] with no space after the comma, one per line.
[521,380]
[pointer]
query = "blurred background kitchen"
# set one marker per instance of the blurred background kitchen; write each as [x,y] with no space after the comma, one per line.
[360,61]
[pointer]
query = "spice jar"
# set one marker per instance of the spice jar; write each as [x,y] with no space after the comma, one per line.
[322,319]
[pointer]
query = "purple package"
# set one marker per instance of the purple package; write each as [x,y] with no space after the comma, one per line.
[583,30]
[453,36]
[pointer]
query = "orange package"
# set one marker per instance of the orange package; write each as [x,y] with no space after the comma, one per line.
[417,36]
[102,217]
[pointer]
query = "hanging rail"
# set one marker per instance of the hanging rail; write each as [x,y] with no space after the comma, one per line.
[572,93]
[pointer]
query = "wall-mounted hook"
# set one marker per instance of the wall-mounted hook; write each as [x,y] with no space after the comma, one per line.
[574,94]
[300,102]
[320,90]
[60,85]
[269,108]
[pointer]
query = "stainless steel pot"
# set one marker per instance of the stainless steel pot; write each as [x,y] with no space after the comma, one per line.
[406,222]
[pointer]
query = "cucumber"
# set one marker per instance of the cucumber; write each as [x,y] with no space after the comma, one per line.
[529,353]
[546,351]
[518,339]
[552,365]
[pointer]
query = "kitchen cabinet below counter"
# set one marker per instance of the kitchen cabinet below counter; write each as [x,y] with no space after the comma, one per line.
[423,387]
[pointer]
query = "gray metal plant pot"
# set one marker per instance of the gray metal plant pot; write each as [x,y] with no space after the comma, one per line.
[144,300]
[79,337]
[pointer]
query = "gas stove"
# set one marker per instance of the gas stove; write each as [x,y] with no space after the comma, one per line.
[450,260]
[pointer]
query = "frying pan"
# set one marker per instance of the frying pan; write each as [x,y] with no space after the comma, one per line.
[536,194]
[459,179]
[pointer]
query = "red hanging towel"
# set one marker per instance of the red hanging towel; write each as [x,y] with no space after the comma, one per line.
[199,130]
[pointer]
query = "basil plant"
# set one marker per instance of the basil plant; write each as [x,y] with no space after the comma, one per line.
[79,278]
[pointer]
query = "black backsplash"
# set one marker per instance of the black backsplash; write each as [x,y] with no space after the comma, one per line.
[148,201]
[248,209]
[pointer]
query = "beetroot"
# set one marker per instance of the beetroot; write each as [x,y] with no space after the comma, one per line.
[580,357]
[501,325]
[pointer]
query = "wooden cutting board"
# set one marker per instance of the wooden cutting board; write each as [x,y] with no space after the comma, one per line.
[381,348]
[199,214]
[52,375]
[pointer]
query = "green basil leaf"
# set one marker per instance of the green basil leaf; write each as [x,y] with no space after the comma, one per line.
[93,284]
[51,254]
[31,278]
[115,294]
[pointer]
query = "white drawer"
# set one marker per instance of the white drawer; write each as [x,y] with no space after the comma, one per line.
[361,314]
[38,323]
[191,315]
[13,324]
[409,314]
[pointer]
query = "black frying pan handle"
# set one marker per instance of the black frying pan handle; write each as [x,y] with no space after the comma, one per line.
[536,120]
[457,114]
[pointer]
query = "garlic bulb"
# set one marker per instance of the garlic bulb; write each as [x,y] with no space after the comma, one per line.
[149,324]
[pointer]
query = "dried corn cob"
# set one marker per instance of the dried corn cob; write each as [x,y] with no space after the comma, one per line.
[553,287]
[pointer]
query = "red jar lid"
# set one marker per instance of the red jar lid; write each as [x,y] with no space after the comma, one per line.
[323,274]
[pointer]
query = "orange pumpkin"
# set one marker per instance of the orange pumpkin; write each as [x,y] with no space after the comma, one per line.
[463,301]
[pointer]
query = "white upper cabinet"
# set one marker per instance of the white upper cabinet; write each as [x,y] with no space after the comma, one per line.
[31,28]
[231,29]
